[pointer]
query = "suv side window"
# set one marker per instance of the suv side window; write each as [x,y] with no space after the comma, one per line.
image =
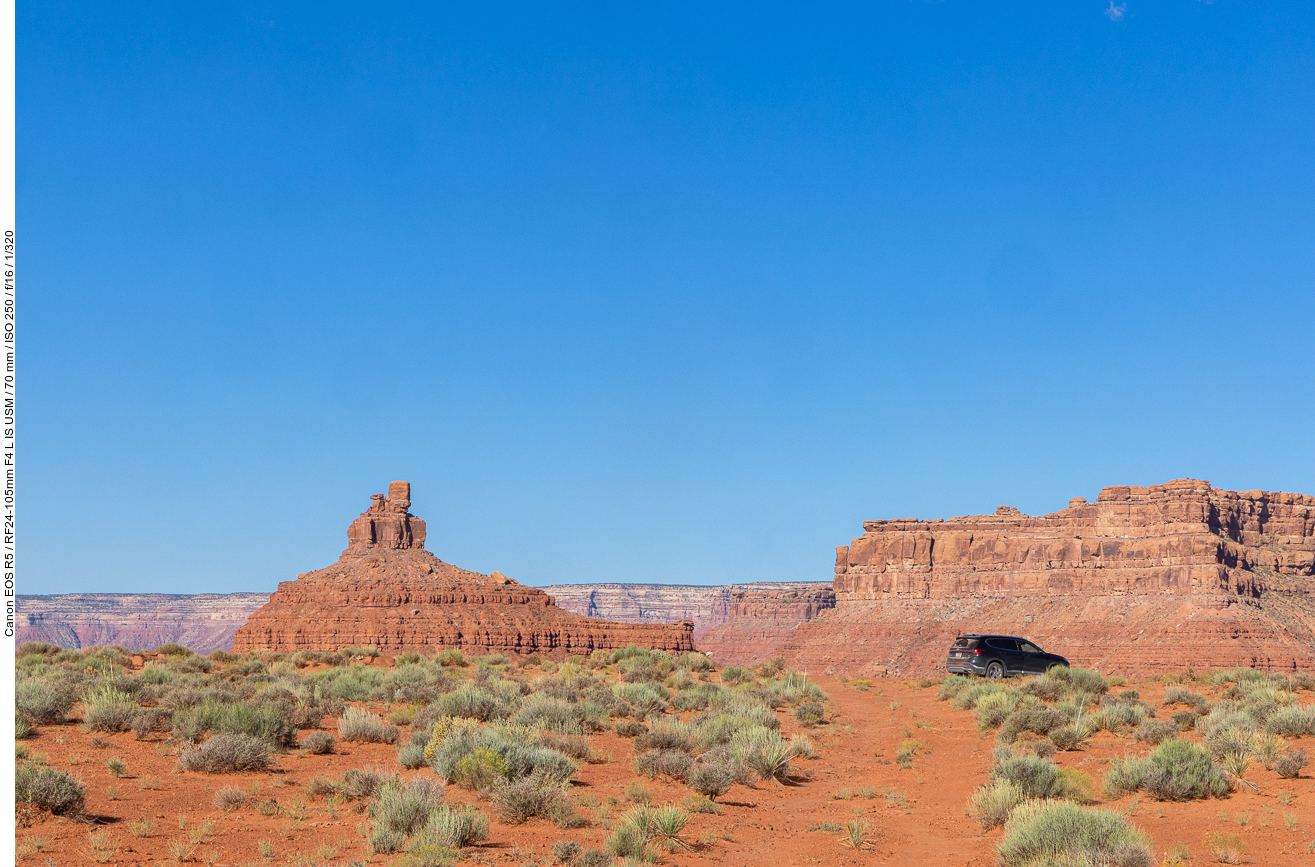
[1002,643]
[1027,647]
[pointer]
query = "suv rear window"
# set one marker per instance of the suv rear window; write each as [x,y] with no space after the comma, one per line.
[967,643]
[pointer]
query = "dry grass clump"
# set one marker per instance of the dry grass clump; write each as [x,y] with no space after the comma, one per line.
[360,725]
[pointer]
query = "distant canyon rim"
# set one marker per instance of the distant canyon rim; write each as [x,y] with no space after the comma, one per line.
[1144,579]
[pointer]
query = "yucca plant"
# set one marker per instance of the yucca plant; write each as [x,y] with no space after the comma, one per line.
[856,835]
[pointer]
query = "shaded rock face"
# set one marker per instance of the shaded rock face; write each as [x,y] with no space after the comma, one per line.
[386,590]
[1146,577]
[136,621]
[707,606]
[762,620]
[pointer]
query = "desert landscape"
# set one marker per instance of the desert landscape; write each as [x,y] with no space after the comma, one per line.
[394,708]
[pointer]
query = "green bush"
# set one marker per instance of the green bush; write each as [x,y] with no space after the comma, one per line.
[1290,765]
[630,728]
[667,763]
[809,713]
[412,756]
[711,781]
[480,703]
[1176,771]
[38,648]
[952,686]
[1034,776]
[450,658]
[226,753]
[992,710]
[990,805]
[1059,832]
[320,744]
[48,789]
[359,783]
[1194,700]
[109,710]
[1292,722]
[1038,720]
[966,699]
[405,807]
[1069,737]
[1043,686]
[1154,731]
[733,675]
[668,736]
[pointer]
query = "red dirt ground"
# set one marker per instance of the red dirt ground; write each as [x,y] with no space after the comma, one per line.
[916,818]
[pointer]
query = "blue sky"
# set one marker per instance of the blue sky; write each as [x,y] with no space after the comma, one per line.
[650,294]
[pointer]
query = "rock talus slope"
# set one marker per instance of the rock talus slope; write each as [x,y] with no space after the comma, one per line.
[386,590]
[1144,579]
[761,620]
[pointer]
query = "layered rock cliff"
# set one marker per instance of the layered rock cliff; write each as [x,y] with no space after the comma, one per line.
[761,620]
[136,621]
[386,590]
[1146,577]
[662,603]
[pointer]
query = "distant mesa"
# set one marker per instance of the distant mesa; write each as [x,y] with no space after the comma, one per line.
[386,590]
[1144,580]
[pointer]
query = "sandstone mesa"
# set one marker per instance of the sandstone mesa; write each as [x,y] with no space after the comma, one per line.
[386,590]
[1144,580]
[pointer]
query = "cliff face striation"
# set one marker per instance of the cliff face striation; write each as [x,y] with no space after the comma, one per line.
[1144,579]
[136,621]
[761,620]
[386,590]
[706,606]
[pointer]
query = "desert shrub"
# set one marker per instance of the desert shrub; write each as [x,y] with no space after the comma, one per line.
[643,829]
[219,713]
[1225,847]
[552,714]
[643,674]
[992,710]
[734,675]
[318,743]
[39,701]
[711,781]
[668,763]
[1115,716]
[1194,700]
[360,783]
[480,770]
[1039,720]
[37,648]
[538,794]
[644,698]
[506,753]
[1184,719]
[694,661]
[668,737]
[305,716]
[1290,765]
[1043,749]
[229,799]
[173,648]
[966,699]
[568,745]
[990,804]
[1154,731]
[411,756]
[458,828]
[1176,771]
[475,702]
[763,751]
[1076,786]
[809,713]
[1079,679]
[22,728]
[952,686]
[149,720]
[1034,776]
[360,725]
[405,807]
[226,753]
[109,710]
[450,658]
[1292,722]
[1059,832]
[1043,686]
[630,728]
[1069,737]
[48,789]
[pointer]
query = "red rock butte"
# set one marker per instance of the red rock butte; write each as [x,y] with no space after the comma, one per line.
[1144,580]
[386,590]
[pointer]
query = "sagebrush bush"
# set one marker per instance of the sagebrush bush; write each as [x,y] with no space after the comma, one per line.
[360,725]
[1079,679]
[109,710]
[405,807]
[226,753]
[711,781]
[1292,722]
[629,728]
[1035,776]
[990,805]
[951,687]
[809,713]
[49,789]
[1155,731]
[538,794]
[992,710]
[1290,765]
[361,783]
[40,702]
[666,763]
[1178,695]
[411,756]
[1069,737]
[1059,832]
[1176,771]
[1043,686]
[318,743]
[229,799]
[458,828]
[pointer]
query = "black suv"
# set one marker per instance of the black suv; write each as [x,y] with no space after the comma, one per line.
[999,656]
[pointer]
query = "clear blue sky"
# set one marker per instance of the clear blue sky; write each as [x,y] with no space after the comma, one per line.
[681,294]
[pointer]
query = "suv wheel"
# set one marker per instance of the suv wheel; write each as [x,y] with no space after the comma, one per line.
[995,671]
